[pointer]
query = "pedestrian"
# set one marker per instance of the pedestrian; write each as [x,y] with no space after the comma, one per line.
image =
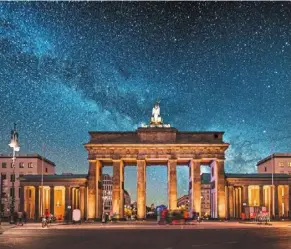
[15,217]
[24,214]
[19,217]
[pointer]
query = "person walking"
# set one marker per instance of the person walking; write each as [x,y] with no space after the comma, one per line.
[24,214]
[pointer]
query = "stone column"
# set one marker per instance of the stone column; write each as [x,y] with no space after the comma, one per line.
[262,195]
[141,189]
[218,166]
[117,191]
[95,189]
[172,184]
[82,201]
[230,201]
[239,201]
[21,198]
[52,199]
[245,194]
[276,201]
[121,205]
[286,200]
[92,185]
[227,202]
[68,197]
[86,204]
[36,203]
[236,202]
[195,190]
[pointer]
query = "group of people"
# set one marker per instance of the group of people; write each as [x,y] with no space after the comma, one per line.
[19,217]
[165,216]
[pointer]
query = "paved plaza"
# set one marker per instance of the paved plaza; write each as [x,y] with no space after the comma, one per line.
[224,235]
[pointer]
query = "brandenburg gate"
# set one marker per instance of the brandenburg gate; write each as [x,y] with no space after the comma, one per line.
[156,144]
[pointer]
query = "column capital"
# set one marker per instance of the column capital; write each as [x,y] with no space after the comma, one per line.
[172,160]
[116,160]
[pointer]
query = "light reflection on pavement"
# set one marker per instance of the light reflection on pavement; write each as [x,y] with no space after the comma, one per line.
[204,236]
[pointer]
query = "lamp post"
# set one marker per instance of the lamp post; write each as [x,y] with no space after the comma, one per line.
[14,144]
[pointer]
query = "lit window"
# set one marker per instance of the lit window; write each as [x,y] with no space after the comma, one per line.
[289,164]
[30,165]
[4,165]
[281,164]
[21,165]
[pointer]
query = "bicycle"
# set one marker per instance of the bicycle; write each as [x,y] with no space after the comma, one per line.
[45,222]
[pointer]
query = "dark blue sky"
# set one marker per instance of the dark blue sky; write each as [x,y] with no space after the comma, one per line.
[67,68]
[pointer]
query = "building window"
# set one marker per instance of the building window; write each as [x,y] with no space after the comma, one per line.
[29,193]
[265,169]
[4,165]
[12,178]
[30,165]
[281,164]
[289,164]
[11,192]
[21,165]
[3,176]
[19,192]
[45,170]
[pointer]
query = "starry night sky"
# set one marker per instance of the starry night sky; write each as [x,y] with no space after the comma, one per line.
[67,68]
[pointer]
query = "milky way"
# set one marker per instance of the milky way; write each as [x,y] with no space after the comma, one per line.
[67,68]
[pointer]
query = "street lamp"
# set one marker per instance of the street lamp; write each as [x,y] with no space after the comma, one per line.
[14,144]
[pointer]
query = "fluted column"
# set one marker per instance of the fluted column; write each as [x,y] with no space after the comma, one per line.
[36,203]
[218,168]
[52,199]
[276,200]
[94,189]
[121,205]
[261,195]
[239,201]
[236,203]
[117,188]
[245,195]
[92,186]
[227,202]
[172,184]
[286,199]
[73,198]
[141,189]
[82,201]
[230,201]
[195,186]
[68,201]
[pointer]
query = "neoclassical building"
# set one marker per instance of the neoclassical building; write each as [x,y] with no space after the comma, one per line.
[156,144]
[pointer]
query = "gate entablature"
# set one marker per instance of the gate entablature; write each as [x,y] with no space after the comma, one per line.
[151,143]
